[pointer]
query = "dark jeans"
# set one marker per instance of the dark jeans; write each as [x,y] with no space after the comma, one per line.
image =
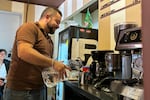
[10,94]
[1,92]
[1,96]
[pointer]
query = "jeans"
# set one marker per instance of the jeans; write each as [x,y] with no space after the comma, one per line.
[1,96]
[1,92]
[10,94]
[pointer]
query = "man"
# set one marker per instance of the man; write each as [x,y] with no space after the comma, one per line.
[32,52]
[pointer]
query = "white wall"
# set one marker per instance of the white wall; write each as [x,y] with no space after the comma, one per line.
[9,23]
[18,8]
[38,11]
[118,17]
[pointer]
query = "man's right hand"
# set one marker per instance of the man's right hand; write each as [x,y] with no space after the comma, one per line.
[61,68]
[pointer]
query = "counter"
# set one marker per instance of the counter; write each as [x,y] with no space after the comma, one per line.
[74,91]
[71,90]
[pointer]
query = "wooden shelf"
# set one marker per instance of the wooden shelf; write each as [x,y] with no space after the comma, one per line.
[115,11]
[108,4]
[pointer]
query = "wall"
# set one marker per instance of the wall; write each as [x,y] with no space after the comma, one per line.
[9,23]
[118,17]
[106,24]
[71,8]
[104,29]
[38,11]
[19,7]
[5,5]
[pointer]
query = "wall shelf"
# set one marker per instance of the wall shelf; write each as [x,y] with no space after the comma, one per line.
[115,11]
[109,4]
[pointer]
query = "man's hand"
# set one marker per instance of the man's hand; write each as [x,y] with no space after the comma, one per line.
[61,68]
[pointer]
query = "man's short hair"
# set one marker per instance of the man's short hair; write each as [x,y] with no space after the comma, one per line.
[51,11]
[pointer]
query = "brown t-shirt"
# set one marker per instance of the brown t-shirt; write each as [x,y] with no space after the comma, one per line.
[23,75]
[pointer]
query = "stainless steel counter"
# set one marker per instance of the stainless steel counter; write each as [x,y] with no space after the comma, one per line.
[135,92]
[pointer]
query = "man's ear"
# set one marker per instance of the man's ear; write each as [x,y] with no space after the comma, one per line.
[48,16]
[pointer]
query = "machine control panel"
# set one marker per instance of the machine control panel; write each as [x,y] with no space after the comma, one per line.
[129,39]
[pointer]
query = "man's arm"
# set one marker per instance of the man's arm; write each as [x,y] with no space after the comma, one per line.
[27,53]
[30,55]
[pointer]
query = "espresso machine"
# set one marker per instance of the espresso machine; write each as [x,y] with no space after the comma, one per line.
[129,85]
[129,44]
[117,65]
[125,69]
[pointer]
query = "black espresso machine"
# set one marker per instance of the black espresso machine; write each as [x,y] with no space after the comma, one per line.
[127,64]
[129,45]
[126,78]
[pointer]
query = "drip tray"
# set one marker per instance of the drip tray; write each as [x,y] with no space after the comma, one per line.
[135,92]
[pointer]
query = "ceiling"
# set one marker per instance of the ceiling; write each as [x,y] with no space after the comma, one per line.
[53,3]
[56,3]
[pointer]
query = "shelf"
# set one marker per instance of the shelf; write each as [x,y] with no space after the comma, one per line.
[108,4]
[115,11]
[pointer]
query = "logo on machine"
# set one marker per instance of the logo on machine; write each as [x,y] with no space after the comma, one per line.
[134,36]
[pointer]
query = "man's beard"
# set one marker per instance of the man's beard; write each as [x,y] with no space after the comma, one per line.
[51,29]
